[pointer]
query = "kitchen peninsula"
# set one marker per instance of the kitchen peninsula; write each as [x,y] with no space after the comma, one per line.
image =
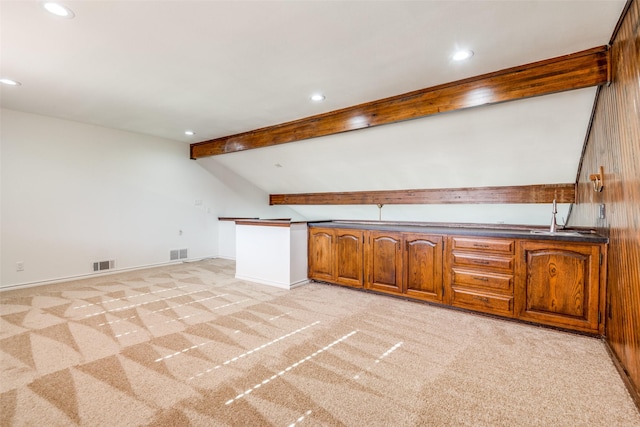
[272,252]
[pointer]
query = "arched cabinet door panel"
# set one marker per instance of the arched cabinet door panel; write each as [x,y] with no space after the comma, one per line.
[423,266]
[559,284]
[349,257]
[384,261]
[321,254]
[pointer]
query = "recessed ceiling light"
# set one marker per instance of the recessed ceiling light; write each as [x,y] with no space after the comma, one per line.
[189,132]
[9,82]
[461,55]
[317,97]
[58,9]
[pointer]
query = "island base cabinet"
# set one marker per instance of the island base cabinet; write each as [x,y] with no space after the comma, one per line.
[560,284]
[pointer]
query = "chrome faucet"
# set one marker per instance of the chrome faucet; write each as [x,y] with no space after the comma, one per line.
[554,211]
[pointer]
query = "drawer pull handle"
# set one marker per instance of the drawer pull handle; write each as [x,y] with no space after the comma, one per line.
[480,245]
[483,262]
[484,279]
[483,299]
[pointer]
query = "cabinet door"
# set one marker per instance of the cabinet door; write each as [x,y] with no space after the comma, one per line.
[559,284]
[423,266]
[321,257]
[349,257]
[384,261]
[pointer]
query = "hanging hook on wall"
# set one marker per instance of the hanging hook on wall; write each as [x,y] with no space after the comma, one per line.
[380,205]
[598,180]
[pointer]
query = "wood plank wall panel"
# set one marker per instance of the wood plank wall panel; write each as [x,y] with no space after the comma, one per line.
[544,193]
[574,71]
[614,143]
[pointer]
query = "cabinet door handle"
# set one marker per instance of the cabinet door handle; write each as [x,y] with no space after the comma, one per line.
[484,279]
[483,299]
[483,262]
[480,245]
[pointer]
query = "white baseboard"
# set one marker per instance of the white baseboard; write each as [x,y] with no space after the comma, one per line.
[281,285]
[97,274]
[300,283]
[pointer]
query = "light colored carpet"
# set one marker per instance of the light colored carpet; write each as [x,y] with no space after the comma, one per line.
[190,345]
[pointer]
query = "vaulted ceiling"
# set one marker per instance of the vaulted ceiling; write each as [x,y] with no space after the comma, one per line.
[224,67]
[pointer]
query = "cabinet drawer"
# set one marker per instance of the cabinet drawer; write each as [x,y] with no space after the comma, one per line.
[496,304]
[480,260]
[493,245]
[480,279]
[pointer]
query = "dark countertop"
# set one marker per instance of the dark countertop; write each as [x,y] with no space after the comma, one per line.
[276,222]
[583,235]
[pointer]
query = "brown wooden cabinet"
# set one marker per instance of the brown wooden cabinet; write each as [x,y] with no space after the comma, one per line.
[422,265]
[561,284]
[551,282]
[481,274]
[384,261]
[348,259]
[404,264]
[383,266]
[336,256]
[321,256]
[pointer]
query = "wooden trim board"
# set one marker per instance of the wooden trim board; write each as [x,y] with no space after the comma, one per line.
[545,193]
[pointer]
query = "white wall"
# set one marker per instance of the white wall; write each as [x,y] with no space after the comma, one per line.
[227,239]
[525,214]
[74,193]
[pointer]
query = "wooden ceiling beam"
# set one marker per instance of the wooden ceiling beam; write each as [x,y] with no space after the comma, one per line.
[575,71]
[544,193]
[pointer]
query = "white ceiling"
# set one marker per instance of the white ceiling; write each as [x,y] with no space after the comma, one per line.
[224,67]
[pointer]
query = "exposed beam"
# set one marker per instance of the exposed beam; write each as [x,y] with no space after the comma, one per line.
[575,71]
[545,193]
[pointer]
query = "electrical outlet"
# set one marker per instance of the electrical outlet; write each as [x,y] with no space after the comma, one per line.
[602,211]
[19,266]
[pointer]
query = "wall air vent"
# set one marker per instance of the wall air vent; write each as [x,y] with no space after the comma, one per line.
[176,254]
[104,265]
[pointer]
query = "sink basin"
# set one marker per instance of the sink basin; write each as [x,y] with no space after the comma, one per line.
[556,233]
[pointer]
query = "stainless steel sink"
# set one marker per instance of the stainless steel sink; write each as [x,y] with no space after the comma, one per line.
[557,233]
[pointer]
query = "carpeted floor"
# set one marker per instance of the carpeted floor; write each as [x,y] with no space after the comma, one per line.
[190,345]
